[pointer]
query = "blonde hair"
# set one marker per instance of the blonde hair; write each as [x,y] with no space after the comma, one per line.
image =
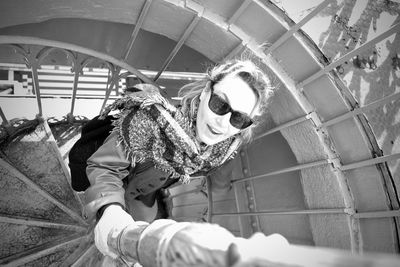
[245,69]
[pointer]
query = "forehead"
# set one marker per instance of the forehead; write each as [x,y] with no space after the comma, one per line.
[237,93]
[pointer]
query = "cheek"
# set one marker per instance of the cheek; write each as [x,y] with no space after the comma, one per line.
[232,131]
[203,113]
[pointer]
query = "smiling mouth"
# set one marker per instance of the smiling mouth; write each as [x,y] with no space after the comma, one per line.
[213,131]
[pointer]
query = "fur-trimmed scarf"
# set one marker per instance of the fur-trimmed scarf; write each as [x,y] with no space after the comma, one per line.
[150,128]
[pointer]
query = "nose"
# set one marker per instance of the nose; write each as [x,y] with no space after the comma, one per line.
[223,120]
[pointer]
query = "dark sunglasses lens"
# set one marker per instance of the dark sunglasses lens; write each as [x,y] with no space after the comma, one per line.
[218,105]
[240,121]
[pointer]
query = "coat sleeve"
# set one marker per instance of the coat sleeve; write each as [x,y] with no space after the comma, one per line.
[106,169]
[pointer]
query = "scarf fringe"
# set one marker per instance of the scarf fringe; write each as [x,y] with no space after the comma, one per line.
[144,115]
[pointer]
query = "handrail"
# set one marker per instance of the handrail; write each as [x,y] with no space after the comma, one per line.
[211,245]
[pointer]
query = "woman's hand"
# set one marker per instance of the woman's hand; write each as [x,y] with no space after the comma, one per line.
[111,223]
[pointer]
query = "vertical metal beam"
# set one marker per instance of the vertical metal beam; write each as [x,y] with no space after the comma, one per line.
[3,117]
[135,31]
[10,75]
[74,90]
[114,82]
[296,27]
[178,46]
[249,191]
[36,87]
[234,52]
[210,200]
[108,91]
[239,11]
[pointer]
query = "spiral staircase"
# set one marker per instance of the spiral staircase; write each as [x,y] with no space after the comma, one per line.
[316,172]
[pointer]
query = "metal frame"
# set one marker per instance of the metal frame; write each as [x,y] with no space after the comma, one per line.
[314,118]
[179,44]
[139,24]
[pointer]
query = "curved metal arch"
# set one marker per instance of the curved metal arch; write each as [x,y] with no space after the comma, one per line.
[44,52]
[20,50]
[9,39]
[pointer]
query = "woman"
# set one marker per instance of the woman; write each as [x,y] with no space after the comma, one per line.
[155,144]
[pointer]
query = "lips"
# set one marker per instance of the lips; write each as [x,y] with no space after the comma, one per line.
[213,131]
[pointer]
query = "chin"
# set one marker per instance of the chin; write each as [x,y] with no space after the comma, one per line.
[210,140]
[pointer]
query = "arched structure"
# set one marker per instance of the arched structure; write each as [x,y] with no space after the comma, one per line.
[315,173]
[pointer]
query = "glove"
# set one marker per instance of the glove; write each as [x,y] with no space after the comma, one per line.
[111,223]
[259,250]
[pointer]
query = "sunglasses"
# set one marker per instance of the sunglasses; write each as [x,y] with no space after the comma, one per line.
[220,107]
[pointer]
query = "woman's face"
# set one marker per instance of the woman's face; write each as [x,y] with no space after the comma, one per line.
[212,128]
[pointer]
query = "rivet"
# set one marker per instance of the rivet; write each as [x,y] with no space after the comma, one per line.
[251,206]
[245,170]
[248,188]
[254,225]
[242,153]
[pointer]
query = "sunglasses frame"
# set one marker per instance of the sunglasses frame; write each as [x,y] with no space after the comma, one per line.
[244,123]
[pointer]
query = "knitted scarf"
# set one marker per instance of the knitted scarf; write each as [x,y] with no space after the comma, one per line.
[150,128]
